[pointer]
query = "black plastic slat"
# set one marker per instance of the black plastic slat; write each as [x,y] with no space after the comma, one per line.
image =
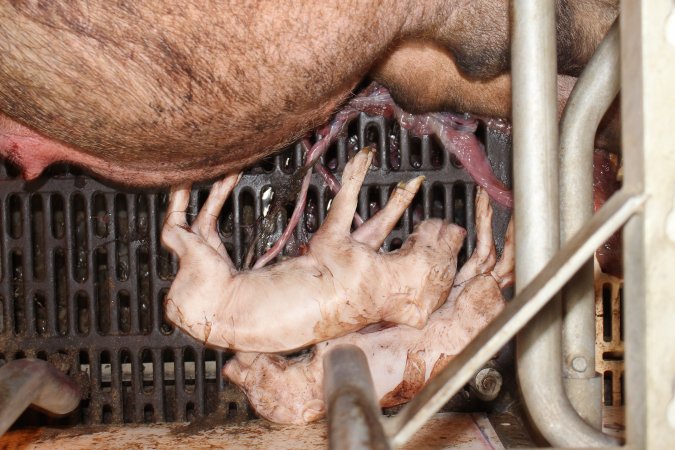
[130,401]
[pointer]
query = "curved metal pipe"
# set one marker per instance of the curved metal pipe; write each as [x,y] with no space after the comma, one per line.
[32,381]
[352,407]
[593,94]
[535,161]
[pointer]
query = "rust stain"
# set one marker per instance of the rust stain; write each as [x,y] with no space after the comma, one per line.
[440,364]
[413,380]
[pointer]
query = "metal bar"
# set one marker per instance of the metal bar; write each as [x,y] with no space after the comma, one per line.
[594,92]
[535,135]
[25,381]
[516,314]
[353,410]
[535,170]
[648,96]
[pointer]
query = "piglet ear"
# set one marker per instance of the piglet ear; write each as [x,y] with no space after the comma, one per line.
[237,368]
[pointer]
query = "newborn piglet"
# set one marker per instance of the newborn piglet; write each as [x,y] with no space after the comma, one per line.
[341,284]
[401,359]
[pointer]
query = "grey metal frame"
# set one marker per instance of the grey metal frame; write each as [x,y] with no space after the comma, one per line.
[593,94]
[352,407]
[648,102]
[536,211]
[526,304]
[646,203]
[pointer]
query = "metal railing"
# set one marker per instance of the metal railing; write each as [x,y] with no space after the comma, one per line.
[646,204]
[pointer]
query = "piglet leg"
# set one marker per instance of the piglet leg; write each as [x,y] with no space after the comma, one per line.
[484,255]
[377,228]
[338,286]
[339,219]
[505,269]
[201,252]
[203,229]
[206,222]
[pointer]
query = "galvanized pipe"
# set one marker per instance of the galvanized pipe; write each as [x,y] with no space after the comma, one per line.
[647,99]
[535,163]
[535,136]
[31,381]
[518,312]
[535,182]
[353,410]
[593,93]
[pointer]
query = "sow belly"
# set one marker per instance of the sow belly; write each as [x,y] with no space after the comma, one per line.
[160,93]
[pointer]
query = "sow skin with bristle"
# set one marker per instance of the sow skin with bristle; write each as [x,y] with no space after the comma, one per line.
[159,93]
[340,285]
